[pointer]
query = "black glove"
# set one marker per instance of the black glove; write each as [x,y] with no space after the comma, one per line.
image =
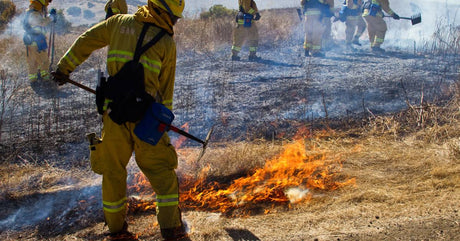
[257,17]
[240,15]
[53,15]
[59,77]
[395,16]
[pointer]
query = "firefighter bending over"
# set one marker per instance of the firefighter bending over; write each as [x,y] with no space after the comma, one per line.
[376,26]
[124,33]
[113,7]
[246,29]
[35,24]
[354,23]
[316,13]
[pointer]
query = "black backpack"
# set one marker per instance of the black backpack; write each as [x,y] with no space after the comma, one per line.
[126,89]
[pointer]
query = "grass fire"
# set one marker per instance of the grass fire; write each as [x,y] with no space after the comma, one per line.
[283,180]
[354,145]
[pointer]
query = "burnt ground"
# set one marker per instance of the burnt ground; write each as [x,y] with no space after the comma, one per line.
[246,100]
[257,99]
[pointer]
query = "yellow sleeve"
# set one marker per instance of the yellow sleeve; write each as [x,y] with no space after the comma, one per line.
[386,7]
[249,6]
[167,77]
[94,38]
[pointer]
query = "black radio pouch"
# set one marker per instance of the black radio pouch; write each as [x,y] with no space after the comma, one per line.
[126,89]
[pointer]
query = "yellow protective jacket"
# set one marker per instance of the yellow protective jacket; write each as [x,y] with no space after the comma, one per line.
[118,6]
[316,11]
[248,6]
[121,33]
[384,5]
[37,18]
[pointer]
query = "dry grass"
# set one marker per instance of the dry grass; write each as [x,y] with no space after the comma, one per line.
[216,33]
[406,165]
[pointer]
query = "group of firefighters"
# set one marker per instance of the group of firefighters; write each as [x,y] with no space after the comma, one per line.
[124,35]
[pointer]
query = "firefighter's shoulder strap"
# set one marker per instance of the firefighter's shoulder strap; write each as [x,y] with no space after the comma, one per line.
[126,83]
[141,49]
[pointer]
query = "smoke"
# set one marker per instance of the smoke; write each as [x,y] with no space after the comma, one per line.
[14,28]
[435,14]
[297,194]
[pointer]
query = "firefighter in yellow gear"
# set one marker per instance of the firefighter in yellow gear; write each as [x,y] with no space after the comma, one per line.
[111,153]
[316,13]
[35,24]
[113,7]
[354,22]
[246,29]
[376,26]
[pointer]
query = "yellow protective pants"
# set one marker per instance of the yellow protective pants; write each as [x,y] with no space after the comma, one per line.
[158,163]
[37,62]
[354,28]
[313,31]
[242,34]
[376,28]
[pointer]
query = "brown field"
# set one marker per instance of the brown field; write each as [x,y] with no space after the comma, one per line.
[400,171]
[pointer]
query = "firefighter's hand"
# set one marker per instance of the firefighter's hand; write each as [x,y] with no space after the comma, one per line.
[395,16]
[257,17]
[59,77]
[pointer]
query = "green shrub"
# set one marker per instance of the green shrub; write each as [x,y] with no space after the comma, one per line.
[7,12]
[218,11]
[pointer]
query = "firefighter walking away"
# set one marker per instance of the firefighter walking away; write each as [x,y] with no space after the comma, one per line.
[351,14]
[140,41]
[246,29]
[376,26]
[317,13]
[35,23]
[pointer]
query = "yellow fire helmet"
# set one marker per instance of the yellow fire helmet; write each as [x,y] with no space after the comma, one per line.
[45,2]
[175,7]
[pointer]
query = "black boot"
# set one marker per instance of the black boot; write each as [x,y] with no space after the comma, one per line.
[175,234]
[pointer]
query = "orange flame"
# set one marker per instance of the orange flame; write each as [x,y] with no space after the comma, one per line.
[286,179]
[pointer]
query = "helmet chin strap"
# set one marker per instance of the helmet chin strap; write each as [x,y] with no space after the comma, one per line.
[171,14]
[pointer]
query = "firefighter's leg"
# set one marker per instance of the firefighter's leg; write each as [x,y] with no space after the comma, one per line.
[238,40]
[317,35]
[253,36]
[113,155]
[32,62]
[370,21]
[361,27]
[350,26]
[158,163]
[44,64]
[309,27]
[380,31]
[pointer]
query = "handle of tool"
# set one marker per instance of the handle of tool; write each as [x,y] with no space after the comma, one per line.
[388,16]
[171,127]
[81,86]
[181,132]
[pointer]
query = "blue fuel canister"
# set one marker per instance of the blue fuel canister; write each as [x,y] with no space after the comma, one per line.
[247,20]
[374,9]
[156,121]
